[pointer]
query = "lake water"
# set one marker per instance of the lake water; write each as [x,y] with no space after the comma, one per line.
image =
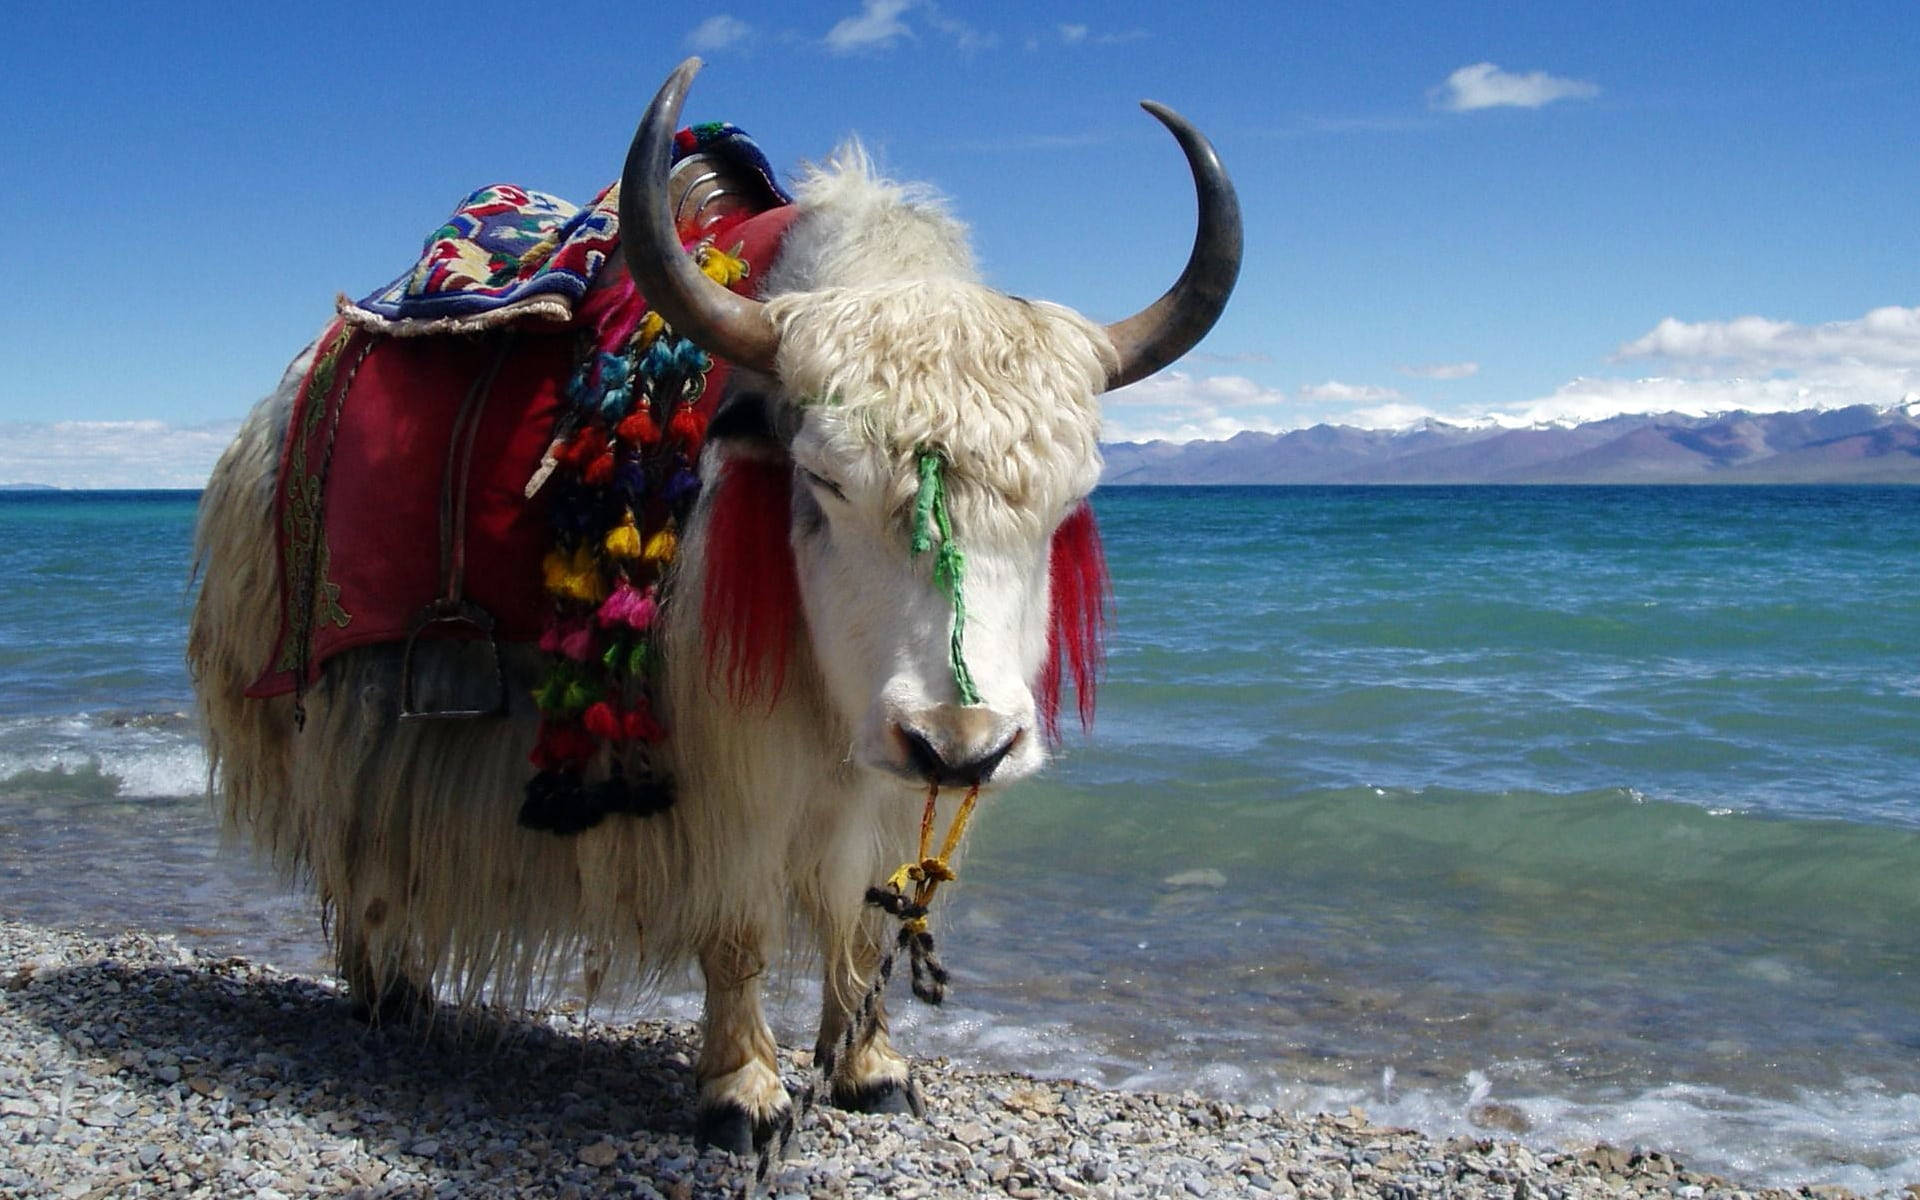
[1583,813]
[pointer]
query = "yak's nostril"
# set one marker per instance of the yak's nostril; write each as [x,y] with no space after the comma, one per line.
[932,766]
[925,760]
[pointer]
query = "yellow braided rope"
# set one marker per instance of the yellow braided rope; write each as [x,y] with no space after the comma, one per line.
[930,870]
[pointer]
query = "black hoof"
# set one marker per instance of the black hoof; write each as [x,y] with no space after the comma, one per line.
[728,1127]
[883,1096]
[399,1003]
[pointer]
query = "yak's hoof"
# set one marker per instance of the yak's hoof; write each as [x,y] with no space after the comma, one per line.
[398,1003]
[731,1128]
[882,1096]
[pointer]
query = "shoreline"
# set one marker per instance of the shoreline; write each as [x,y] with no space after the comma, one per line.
[130,1066]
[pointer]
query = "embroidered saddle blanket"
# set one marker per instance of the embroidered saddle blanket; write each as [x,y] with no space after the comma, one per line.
[430,406]
[509,255]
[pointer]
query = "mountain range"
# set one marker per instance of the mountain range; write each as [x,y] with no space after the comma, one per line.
[1860,444]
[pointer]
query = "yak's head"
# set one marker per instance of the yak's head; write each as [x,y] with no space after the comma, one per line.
[899,477]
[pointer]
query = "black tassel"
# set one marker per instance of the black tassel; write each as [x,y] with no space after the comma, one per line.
[641,796]
[558,803]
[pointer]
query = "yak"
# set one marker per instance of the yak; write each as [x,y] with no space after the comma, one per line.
[870,343]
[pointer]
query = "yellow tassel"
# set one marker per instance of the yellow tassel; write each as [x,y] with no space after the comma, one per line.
[581,578]
[660,547]
[650,327]
[624,542]
[554,567]
[725,269]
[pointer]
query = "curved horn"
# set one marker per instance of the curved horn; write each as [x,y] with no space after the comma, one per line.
[1173,324]
[722,323]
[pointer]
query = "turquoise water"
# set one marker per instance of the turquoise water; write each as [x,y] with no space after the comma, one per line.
[1590,813]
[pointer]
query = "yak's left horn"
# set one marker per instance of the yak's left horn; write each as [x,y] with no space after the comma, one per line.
[730,326]
[1173,324]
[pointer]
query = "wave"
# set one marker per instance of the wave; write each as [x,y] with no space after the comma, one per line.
[95,756]
[1860,1134]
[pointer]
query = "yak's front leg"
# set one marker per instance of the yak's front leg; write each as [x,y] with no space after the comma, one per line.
[741,1096]
[868,1075]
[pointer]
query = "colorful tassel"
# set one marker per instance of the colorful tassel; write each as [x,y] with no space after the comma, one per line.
[602,721]
[624,540]
[687,426]
[638,429]
[660,547]
[578,645]
[637,724]
[599,472]
[724,268]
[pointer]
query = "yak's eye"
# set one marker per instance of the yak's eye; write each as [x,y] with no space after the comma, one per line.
[825,484]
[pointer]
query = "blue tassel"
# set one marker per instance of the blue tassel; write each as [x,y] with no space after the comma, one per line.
[683,485]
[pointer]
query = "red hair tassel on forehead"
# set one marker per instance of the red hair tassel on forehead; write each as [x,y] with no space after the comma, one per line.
[752,596]
[1076,626]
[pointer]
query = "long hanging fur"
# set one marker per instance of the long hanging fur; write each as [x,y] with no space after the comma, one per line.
[751,595]
[1076,625]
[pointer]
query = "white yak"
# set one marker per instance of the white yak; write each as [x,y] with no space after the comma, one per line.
[873,341]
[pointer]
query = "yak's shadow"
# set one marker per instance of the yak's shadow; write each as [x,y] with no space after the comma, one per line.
[469,1082]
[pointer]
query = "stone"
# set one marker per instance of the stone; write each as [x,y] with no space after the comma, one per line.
[600,1154]
[971,1133]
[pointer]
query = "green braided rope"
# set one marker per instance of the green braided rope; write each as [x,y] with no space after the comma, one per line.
[949,564]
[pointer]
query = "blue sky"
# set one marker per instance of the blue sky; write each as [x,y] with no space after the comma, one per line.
[1518,212]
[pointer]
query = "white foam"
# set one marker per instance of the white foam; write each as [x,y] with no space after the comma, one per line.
[1865,1136]
[140,760]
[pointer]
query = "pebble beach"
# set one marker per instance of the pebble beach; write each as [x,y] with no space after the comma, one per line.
[133,1066]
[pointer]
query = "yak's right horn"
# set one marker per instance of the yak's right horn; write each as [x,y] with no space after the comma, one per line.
[724,324]
[1175,323]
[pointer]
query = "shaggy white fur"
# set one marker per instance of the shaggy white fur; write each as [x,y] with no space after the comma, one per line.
[785,814]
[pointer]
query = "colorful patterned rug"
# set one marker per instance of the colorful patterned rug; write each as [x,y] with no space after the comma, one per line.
[509,255]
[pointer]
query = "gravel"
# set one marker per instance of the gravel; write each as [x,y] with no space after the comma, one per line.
[132,1067]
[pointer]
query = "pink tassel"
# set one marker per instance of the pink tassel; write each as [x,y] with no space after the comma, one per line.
[550,639]
[641,614]
[619,606]
[578,645]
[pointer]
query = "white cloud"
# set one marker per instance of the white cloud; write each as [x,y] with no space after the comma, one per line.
[1458,370]
[1073,33]
[963,35]
[1593,399]
[1748,364]
[1484,85]
[1884,337]
[1176,407]
[1348,393]
[877,27]
[717,33]
[111,454]
[882,23]
[1390,416]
